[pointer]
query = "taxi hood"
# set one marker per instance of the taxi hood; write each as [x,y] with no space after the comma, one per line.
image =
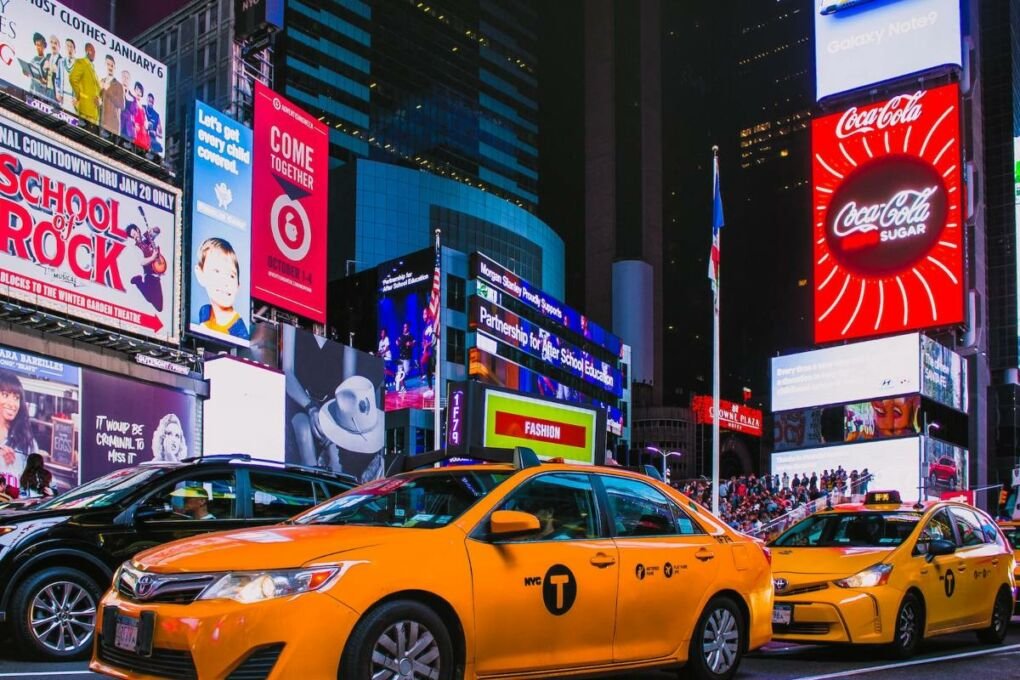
[281,546]
[826,563]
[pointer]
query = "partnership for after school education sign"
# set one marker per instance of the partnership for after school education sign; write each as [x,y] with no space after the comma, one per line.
[289,206]
[552,430]
[86,238]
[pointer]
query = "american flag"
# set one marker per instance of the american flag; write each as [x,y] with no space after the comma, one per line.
[435,298]
[717,224]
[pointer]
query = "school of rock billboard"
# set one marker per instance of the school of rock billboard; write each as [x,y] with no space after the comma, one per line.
[85,237]
[64,65]
[888,218]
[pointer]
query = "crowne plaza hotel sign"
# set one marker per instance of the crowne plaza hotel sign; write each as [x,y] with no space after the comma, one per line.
[888,218]
[732,416]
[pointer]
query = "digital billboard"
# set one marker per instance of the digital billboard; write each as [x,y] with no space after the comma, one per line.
[846,373]
[551,429]
[888,235]
[220,228]
[882,418]
[504,328]
[291,193]
[86,237]
[732,416]
[797,429]
[864,42]
[64,65]
[946,467]
[245,409]
[490,273]
[405,336]
[943,375]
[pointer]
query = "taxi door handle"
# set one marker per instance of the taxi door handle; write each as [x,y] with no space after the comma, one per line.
[704,555]
[603,560]
[961,567]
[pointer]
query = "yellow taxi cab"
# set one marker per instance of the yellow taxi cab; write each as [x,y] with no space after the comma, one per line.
[467,571]
[884,572]
[1011,529]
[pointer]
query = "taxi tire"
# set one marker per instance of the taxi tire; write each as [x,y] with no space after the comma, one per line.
[995,633]
[696,667]
[356,663]
[27,590]
[897,649]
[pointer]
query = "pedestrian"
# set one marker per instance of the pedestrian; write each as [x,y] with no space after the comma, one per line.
[36,480]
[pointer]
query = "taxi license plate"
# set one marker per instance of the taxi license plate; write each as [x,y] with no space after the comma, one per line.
[782,614]
[126,634]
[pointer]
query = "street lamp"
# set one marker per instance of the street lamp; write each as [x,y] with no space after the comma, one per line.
[665,457]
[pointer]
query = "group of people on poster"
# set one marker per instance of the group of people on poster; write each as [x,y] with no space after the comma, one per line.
[113,101]
[407,356]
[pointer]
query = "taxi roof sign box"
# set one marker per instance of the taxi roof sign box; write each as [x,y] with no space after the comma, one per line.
[883,498]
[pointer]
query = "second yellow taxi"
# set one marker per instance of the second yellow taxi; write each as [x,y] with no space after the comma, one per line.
[889,573]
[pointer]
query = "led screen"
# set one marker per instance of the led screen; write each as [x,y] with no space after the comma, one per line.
[893,462]
[244,411]
[551,429]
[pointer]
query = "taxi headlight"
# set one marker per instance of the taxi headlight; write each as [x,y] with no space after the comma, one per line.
[877,575]
[255,586]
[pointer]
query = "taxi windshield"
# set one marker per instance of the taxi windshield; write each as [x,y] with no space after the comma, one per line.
[850,529]
[424,501]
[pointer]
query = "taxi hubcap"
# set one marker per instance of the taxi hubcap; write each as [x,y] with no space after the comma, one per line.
[405,651]
[62,617]
[908,622]
[721,641]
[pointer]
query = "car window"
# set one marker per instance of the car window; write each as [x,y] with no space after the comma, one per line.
[638,509]
[968,527]
[1013,536]
[564,504]
[837,529]
[205,497]
[685,524]
[279,496]
[938,528]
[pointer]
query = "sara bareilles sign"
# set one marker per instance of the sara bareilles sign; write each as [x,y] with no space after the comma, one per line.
[289,206]
[888,232]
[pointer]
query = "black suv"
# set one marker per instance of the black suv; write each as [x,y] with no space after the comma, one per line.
[58,557]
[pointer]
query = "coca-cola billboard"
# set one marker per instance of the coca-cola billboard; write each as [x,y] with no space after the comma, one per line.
[888,234]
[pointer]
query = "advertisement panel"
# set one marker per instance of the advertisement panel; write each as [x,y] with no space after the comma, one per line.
[864,42]
[406,334]
[943,375]
[732,416]
[551,429]
[888,236]
[893,462]
[490,273]
[499,324]
[290,175]
[245,409]
[64,65]
[252,16]
[882,418]
[40,401]
[946,467]
[126,422]
[221,228]
[333,416]
[847,373]
[87,238]
[797,429]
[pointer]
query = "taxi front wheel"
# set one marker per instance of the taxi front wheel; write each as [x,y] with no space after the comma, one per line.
[399,639]
[909,628]
[717,643]
[1002,610]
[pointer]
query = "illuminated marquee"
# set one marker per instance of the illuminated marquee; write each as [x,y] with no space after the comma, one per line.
[888,232]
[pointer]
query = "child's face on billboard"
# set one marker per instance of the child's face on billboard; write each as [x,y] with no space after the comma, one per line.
[218,275]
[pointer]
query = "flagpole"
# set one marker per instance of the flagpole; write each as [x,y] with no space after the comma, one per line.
[437,424]
[715,348]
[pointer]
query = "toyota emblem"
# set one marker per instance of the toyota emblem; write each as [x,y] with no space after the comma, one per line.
[144,587]
[780,584]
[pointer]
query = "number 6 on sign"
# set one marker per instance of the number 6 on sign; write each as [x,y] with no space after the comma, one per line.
[293,239]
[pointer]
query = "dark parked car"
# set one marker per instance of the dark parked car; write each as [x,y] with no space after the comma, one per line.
[58,557]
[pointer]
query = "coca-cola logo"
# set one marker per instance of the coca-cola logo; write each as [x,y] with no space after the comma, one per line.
[886,216]
[905,108]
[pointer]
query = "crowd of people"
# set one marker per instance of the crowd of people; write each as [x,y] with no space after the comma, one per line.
[750,503]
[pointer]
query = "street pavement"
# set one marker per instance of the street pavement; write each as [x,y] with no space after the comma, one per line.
[944,658]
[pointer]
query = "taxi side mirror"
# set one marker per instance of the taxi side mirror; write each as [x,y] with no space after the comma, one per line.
[511,523]
[940,546]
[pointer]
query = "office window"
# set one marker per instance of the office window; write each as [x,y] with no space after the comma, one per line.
[456,293]
[455,351]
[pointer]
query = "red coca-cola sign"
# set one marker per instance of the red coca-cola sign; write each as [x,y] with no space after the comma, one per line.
[888,235]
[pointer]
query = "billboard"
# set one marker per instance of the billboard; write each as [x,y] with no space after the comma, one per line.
[405,341]
[882,418]
[732,416]
[943,375]
[797,429]
[220,228]
[946,467]
[489,273]
[500,328]
[64,65]
[245,409]
[252,16]
[893,462]
[333,416]
[864,42]
[86,237]
[289,206]
[846,373]
[888,236]
[551,429]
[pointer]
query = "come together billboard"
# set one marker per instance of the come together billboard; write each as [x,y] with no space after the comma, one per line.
[67,66]
[289,206]
[85,237]
[888,218]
